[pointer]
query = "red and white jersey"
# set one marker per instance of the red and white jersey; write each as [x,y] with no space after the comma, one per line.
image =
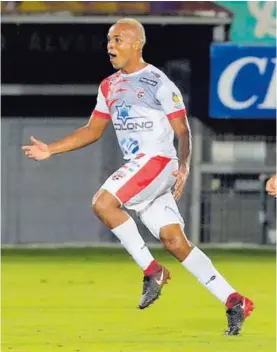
[140,106]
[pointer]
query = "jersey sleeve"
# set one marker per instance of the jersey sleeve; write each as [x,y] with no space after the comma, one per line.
[101,109]
[171,100]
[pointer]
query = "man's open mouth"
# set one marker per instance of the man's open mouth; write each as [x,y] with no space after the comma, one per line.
[112,56]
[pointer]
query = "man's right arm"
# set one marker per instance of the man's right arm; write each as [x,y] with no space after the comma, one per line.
[84,136]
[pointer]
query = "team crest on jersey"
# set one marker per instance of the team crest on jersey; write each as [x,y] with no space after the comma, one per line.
[139,93]
[119,174]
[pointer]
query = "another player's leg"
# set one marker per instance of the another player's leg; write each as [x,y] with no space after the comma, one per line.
[107,208]
[168,226]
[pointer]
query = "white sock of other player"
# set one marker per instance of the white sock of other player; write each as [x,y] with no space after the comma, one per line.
[198,264]
[131,239]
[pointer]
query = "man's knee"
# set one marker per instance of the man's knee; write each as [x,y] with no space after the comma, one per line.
[171,237]
[98,204]
[103,201]
[175,241]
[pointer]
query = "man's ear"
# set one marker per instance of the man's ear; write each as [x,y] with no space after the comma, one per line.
[137,45]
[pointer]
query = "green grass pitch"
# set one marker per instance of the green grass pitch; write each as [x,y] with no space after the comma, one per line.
[85,300]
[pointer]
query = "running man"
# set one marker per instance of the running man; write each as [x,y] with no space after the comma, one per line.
[146,109]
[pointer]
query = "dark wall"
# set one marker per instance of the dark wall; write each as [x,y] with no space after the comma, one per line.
[67,53]
[76,54]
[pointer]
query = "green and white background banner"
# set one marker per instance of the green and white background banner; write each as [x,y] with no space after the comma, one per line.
[254,21]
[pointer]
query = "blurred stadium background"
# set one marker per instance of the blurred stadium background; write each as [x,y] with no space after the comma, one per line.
[54,57]
[222,55]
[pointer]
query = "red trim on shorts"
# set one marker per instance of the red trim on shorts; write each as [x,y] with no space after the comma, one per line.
[142,178]
[102,115]
[176,114]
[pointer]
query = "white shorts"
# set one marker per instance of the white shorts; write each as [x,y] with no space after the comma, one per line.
[144,185]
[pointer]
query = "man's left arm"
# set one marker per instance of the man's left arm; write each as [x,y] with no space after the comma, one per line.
[181,128]
[172,102]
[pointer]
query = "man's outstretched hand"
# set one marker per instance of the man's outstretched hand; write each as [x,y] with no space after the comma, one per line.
[37,150]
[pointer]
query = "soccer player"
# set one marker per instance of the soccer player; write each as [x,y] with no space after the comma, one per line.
[271,186]
[146,109]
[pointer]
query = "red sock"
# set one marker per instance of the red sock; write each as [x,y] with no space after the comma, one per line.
[233,300]
[152,268]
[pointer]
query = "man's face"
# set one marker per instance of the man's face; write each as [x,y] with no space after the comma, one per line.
[122,44]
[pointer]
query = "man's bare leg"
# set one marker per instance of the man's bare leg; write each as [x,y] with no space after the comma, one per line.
[107,209]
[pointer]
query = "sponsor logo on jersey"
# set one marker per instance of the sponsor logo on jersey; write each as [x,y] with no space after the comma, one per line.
[123,112]
[141,126]
[125,124]
[133,165]
[129,145]
[139,93]
[177,101]
[175,98]
[148,81]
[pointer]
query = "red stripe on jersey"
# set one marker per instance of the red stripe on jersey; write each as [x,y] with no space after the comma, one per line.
[176,114]
[142,178]
[119,90]
[102,115]
[121,80]
[105,85]
[111,102]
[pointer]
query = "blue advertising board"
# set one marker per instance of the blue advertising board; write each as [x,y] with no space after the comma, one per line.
[243,81]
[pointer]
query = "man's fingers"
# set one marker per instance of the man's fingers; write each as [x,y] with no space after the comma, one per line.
[270,189]
[28,150]
[179,183]
[178,178]
[30,156]
[34,140]
[177,195]
[178,189]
